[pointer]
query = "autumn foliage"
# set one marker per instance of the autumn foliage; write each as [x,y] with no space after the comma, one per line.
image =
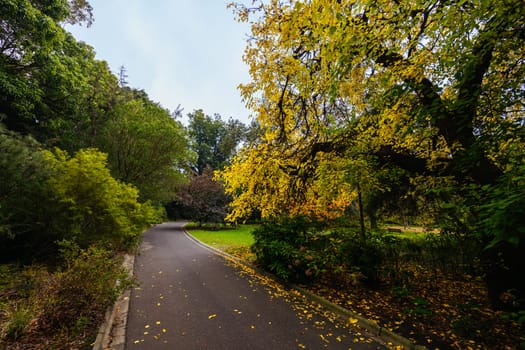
[373,110]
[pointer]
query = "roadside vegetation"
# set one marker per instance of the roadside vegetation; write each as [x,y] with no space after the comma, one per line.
[236,240]
[398,112]
[384,167]
[87,163]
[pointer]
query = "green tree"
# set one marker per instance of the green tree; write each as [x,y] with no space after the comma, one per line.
[42,84]
[146,148]
[213,140]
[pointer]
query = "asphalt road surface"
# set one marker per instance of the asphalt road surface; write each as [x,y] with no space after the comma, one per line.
[190,298]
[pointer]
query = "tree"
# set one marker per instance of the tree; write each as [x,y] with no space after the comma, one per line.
[42,84]
[434,88]
[332,77]
[146,148]
[203,199]
[213,140]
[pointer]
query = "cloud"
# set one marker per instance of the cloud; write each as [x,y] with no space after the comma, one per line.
[178,51]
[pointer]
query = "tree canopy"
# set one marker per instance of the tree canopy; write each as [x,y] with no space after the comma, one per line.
[360,101]
[432,88]
[55,96]
[214,140]
[146,148]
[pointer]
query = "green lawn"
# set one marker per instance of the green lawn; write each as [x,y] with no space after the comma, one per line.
[224,239]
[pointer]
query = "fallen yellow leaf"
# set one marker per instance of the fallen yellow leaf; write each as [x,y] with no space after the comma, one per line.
[212,316]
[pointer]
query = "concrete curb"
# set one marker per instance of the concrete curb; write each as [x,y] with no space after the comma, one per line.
[369,325]
[112,332]
[344,314]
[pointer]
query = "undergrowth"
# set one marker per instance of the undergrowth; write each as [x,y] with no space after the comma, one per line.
[61,308]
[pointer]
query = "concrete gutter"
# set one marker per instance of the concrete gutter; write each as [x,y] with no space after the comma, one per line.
[112,332]
[344,314]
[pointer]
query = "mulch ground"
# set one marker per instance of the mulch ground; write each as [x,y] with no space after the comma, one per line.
[434,310]
[437,310]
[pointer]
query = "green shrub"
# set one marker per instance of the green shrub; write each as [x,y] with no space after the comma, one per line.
[25,198]
[18,319]
[366,256]
[300,249]
[46,197]
[93,206]
[284,247]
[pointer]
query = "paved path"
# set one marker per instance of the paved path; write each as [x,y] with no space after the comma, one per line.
[190,298]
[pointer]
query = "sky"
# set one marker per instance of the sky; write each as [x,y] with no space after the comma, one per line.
[181,52]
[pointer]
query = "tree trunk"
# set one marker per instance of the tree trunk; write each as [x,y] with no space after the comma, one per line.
[361,214]
[504,266]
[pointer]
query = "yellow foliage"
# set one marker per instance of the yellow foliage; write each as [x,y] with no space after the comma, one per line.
[352,74]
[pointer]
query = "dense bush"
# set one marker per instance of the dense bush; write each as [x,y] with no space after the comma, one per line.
[94,206]
[46,197]
[299,249]
[25,198]
[284,248]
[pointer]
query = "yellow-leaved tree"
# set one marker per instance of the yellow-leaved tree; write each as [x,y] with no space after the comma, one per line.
[432,89]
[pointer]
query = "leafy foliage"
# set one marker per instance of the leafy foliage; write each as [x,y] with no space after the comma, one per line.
[25,198]
[334,81]
[281,247]
[213,140]
[146,148]
[48,197]
[344,90]
[53,93]
[203,199]
[503,213]
[43,71]
[92,205]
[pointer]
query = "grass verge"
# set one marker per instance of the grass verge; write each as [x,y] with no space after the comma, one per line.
[235,241]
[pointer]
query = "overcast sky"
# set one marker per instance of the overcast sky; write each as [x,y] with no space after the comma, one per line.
[186,52]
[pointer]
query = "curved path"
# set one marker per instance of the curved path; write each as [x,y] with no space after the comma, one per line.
[191,298]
